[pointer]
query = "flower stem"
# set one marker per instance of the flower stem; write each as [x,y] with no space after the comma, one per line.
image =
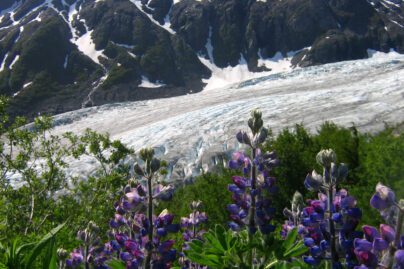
[400,219]
[330,198]
[251,222]
[151,226]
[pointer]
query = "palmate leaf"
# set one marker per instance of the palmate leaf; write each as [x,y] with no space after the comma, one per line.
[290,239]
[217,250]
[41,245]
[296,251]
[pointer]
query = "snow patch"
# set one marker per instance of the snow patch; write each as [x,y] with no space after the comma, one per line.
[278,63]
[9,10]
[3,64]
[222,77]
[166,25]
[146,83]
[382,55]
[132,55]
[27,84]
[86,45]
[14,61]
[19,34]
[391,3]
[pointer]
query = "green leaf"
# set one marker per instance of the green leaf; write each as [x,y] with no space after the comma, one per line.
[297,250]
[41,245]
[116,264]
[290,240]
[50,260]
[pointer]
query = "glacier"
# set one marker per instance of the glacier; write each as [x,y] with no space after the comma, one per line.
[195,132]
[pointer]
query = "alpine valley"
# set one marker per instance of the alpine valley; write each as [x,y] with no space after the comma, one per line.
[63,55]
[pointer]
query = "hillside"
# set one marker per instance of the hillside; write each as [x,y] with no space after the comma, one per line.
[61,55]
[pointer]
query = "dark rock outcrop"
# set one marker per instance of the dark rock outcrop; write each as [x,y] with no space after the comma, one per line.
[48,62]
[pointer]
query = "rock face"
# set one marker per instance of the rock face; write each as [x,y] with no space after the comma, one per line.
[60,55]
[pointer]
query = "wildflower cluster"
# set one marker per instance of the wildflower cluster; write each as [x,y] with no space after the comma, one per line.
[137,235]
[383,248]
[251,192]
[328,225]
[192,230]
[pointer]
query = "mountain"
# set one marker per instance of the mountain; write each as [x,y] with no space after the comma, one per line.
[61,55]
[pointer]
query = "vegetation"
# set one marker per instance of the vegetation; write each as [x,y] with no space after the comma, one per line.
[37,195]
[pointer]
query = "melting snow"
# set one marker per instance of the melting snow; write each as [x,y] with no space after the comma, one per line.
[86,45]
[222,77]
[146,83]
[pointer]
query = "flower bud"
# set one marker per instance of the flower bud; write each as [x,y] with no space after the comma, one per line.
[387,232]
[127,189]
[325,157]
[297,202]
[155,165]
[195,204]
[313,182]
[243,138]
[262,136]
[62,254]
[255,122]
[385,193]
[138,170]
[342,171]
[81,235]
[146,154]
[287,213]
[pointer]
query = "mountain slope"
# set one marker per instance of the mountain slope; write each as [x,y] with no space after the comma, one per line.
[60,55]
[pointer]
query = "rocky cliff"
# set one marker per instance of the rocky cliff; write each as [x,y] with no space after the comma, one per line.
[60,55]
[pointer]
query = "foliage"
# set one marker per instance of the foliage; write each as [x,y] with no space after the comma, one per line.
[223,248]
[36,194]
[23,256]
[210,189]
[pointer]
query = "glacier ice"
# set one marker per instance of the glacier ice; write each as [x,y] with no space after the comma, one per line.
[194,132]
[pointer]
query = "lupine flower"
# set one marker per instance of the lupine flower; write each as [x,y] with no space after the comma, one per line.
[383,198]
[399,259]
[136,237]
[242,193]
[76,258]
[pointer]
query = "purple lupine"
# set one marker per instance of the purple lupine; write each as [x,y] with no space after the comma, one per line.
[316,229]
[338,208]
[137,235]
[75,260]
[91,247]
[252,192]
[192,230]
[383,248]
